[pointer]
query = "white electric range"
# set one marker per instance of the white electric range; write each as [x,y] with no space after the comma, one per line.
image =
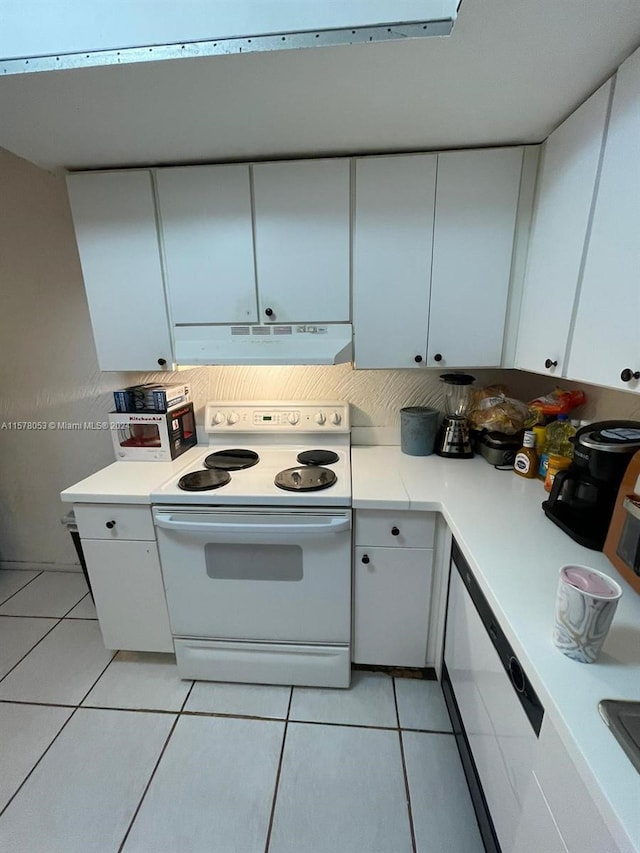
[255,546]
[254,442]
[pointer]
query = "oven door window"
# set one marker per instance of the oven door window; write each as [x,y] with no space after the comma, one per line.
[235,562]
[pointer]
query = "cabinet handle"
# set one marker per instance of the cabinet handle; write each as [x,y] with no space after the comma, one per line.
[110,525]
[162,362]
[418,359]
[395,531]
[365,559]
[268,312]
[548,363]
[627,374]
[437,356]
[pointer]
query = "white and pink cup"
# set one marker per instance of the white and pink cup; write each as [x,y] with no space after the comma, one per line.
[585,606]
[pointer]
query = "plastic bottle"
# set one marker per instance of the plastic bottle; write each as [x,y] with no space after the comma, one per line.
[540,433]
[556,463]
[558,434]
[526,461]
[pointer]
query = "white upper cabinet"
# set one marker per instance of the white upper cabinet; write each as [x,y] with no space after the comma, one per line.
[115,222]
[392,245]
[564,200]
[205,214]
[476,206]
[606,335]
[302,240]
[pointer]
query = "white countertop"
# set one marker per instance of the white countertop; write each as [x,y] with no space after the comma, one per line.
[516,554]
[127,482]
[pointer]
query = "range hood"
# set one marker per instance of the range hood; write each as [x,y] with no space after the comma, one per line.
[297,343]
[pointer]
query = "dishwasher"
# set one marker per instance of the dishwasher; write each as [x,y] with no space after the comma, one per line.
[494,710]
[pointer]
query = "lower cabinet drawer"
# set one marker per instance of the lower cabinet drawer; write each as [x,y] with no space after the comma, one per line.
[390,529]
[392,594]
[129,594]
[114,521]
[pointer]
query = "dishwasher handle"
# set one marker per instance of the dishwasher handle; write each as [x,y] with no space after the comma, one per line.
[335,524]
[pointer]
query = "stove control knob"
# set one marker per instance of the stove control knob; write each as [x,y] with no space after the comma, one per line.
[336,418]
[233,418]
[320,418]
[219,418]
[293,418]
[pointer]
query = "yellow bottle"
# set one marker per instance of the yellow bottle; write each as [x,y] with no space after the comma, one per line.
[526,461]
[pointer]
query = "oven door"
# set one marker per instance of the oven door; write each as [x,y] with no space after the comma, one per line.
[264,575]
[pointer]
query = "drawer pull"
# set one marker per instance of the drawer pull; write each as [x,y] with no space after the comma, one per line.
[365,559]
[110,525]
[549,364]
[395,531]
[627,374]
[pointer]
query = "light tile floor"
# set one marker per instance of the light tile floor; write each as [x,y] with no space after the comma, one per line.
[111,752]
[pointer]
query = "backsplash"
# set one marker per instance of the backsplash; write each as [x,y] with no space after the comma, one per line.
[49,373]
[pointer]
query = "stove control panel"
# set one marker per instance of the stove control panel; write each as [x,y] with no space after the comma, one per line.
[330,417]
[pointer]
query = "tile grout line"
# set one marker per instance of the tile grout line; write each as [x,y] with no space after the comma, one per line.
[278,773]
[26,654]
[23,616]
[29,774]
[155,768]
[404,771]
[113,657]
[2,603]
[73,607]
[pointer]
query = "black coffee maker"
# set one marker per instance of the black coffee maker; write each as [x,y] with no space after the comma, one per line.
[583,496]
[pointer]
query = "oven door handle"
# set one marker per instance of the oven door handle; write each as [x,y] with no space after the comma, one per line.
[298,528]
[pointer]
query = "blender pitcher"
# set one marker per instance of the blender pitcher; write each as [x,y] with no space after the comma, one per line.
[453,440]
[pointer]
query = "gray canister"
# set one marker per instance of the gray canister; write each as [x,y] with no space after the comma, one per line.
[418,430]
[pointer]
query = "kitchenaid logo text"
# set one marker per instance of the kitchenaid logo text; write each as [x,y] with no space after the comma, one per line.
[16,426]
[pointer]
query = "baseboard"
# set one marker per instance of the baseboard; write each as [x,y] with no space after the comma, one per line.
[22,566]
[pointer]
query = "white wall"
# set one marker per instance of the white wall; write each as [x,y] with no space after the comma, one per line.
[48,372]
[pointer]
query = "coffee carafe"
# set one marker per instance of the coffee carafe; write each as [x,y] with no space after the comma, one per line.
[453,440]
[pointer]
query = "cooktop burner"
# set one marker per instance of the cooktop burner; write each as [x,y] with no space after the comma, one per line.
[317,457]
[202,481]
[308,478]
[232,460]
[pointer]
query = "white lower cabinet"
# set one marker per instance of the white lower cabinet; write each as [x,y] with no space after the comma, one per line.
[392,587]
[577,818]
[122,560]
[537,830]
[127,588]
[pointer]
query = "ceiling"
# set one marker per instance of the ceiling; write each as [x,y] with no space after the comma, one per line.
[511,72]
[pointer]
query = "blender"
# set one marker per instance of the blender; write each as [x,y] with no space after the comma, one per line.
[453,440]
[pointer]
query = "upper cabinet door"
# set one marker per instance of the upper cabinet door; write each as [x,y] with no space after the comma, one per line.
[115,222]
[392,245]
[205,216]
[565,193]
[302,240]
[607,328]
[476,205]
